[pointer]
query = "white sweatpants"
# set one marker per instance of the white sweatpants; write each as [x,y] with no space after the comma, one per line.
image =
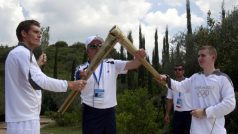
[24,127]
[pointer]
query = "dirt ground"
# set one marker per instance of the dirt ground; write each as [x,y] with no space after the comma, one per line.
[44,121]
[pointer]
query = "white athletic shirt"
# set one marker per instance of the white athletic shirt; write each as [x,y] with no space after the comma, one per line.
[22,102]
[110,70]
[185,98]
[214,92]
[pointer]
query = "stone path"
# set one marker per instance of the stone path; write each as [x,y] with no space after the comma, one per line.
[44,121]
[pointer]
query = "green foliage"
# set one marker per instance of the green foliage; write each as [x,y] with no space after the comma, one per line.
[3,55]
[66,56]
[1,93]
[45,38]
[61,44]
[122,57]
[231,121]
[189,24]
[55,75]
[54,129]
[179,50]
[166,64]
[141,69]
[190,56]
[130,74]
[66,119]
[223,35]
[155,55]
[210,21]
[136,113]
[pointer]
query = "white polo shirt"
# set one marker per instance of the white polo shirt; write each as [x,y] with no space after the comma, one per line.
[185,100]
[22,102]
[110,70]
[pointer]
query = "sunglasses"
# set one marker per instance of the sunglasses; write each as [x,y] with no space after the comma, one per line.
[93,46]
[178,69]
[201,55]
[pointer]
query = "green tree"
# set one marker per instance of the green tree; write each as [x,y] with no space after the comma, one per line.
[122,57]
[45,38]
[141,70]
[172,61]
[165,54]
[155,56]
[73,69]
[223,12]
[189,24]
[44,42]
[190,56]
[131,84]
[136,113]
[55,75]
[210,21]
[58,45]
[179,50]
[149,79]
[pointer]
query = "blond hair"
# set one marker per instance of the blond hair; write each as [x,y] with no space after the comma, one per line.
[212,50]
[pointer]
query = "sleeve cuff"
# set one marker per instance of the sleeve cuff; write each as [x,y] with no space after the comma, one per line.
[209,113]
[77,75]
[66,85]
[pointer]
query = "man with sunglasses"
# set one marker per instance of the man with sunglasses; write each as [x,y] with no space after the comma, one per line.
[24,81]
[212,94]
[99,95]
[181,103]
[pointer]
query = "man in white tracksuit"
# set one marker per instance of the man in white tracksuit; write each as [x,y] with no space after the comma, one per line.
[212,93]
[24,81]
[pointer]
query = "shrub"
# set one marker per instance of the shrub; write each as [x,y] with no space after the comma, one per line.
[66,119]
[136,113]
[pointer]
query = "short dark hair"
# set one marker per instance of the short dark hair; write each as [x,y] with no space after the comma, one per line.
[25,26]
[178,65]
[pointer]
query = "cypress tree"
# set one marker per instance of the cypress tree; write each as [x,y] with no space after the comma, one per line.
[73,69]
[149,78]
[155,58]
[189,24]
[141,70]
[190,56]
[223,12]
[130,74]
[55,75]
[122,57]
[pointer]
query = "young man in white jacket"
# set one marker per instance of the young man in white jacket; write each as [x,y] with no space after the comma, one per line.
[212,93]
[24,81]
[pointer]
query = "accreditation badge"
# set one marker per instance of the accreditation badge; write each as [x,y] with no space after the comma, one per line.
[179,103]
[98,95]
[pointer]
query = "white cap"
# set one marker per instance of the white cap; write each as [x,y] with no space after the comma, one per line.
[92,38]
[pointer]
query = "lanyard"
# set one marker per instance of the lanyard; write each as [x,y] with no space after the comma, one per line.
[100,73]
[179,94]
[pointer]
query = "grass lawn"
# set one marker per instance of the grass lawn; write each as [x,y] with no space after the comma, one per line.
[61,130]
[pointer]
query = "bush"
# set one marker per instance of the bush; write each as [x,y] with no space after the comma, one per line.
[136,113]
[66,119]
[232,119]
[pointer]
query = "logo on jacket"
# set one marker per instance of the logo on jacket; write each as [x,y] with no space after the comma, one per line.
[203,91]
